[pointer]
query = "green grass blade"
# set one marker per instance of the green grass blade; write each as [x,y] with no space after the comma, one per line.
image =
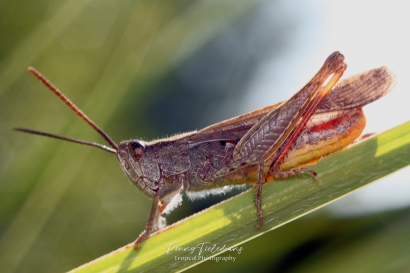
[231,223]
[384,248]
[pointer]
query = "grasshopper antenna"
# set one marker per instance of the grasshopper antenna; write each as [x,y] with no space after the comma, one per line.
[77,110]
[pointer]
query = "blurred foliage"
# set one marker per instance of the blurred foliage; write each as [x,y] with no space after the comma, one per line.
[121,62]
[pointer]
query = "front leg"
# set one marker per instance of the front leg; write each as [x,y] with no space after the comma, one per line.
[153,217]
[165,199]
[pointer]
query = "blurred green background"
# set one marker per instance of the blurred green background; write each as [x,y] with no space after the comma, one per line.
[149,69]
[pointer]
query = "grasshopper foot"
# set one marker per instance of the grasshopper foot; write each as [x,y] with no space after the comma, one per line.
[143,236]
[286,174]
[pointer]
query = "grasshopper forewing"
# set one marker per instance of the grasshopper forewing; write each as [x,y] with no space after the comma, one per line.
[253,148]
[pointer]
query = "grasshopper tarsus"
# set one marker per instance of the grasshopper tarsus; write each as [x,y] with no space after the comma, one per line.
[143,236]
[292,172]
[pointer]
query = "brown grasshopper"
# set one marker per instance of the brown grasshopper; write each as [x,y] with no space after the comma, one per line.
[253,148]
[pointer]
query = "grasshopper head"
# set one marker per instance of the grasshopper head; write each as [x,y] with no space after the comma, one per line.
[138,161]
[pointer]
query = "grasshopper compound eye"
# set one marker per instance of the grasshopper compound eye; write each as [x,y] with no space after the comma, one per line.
[137,149]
